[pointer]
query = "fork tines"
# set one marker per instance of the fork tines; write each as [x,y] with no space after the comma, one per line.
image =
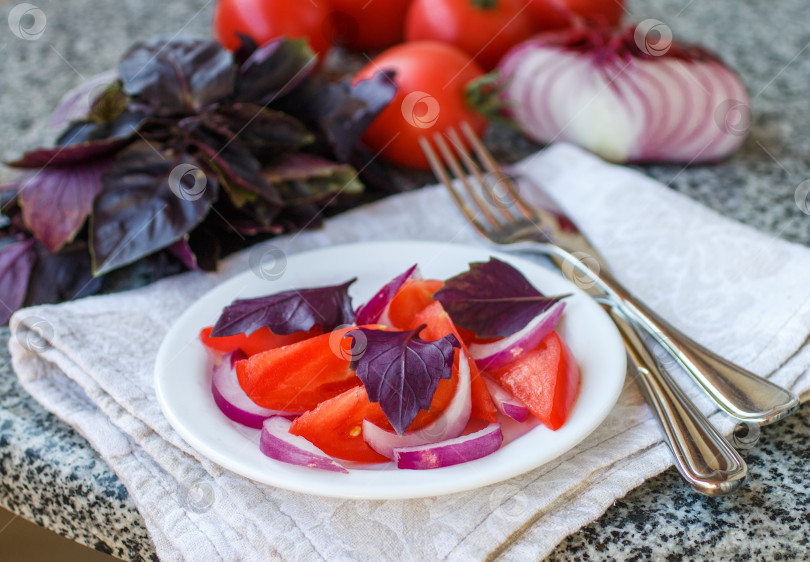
[447,164]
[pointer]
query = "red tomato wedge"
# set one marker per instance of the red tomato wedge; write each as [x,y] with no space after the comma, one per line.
[439,325]
[300,376]
[546,380]
[260,340]
[336,425]
[411,298]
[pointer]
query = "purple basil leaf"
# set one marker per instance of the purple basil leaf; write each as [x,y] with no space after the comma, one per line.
[401,371]
[353,109]
[63,276]
[121,127]
[302,178]
[492,299]
[247,47]
[264,132]
[178,76]
[273,70]
[371,311]
[77,103]
[288,312]
[109,105]
[146,205]
[56,201]
[16,261]
[182,251]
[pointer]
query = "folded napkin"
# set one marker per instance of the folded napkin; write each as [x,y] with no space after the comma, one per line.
[739,292]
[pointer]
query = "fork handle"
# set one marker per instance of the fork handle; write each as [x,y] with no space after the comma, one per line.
[738,392]
[704,458]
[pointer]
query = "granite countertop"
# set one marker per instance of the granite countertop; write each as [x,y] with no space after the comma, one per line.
[50,475]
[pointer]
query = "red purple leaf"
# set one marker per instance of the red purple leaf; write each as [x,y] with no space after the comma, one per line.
[16,261]
[401,371]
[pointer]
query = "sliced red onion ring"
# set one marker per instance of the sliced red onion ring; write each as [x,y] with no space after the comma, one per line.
[450,424]
[373,311]
[278,443]
[452,451]
[506,404]
[501,352]
[232,400]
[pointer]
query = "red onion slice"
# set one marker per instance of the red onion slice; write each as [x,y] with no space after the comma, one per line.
[501,352]
[506,404]
[450,424]
[451,451]
[278,443]
[232,400]
[373,311]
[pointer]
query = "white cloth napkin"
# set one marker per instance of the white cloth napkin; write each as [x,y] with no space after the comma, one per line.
[740,292]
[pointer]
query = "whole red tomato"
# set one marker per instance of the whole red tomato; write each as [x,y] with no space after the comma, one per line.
[263,20]
[558,14]
[486,29]
[367,24]
[432,80]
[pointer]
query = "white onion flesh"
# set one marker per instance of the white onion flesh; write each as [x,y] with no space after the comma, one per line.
[506,404]
[278,443]
[626,108]
[451,451]
[449,424]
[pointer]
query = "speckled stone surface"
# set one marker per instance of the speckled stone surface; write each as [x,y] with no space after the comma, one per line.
[50,475]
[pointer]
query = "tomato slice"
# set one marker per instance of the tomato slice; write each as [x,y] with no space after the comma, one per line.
[546,379]
[411,298]
[260,340]
[299,376]
[336,425]
[439,324]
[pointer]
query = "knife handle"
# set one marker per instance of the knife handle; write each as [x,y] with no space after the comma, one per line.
[738,392]
[704,458]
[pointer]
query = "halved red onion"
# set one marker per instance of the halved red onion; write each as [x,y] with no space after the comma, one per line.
[232,400]
[450,424]
[373,311]
[613,94]
[451,451]
[501,352]
[506,404]
[278,443]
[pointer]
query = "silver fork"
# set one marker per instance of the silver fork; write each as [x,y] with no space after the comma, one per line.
[737,391]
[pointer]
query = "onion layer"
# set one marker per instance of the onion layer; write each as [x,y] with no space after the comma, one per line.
[232,400]
[278,443]
[448,425]
[451,451]
[501,352]
[374,311]
[506,404]
[625,99]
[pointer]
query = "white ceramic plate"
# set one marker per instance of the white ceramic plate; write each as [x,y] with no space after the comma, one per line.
[183,382]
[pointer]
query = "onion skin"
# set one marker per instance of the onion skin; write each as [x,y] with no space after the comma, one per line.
[507,404]
[500,353]
[604,92]
[452,451]
[447,426]
[278,443]
[232,400]
[375,310]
